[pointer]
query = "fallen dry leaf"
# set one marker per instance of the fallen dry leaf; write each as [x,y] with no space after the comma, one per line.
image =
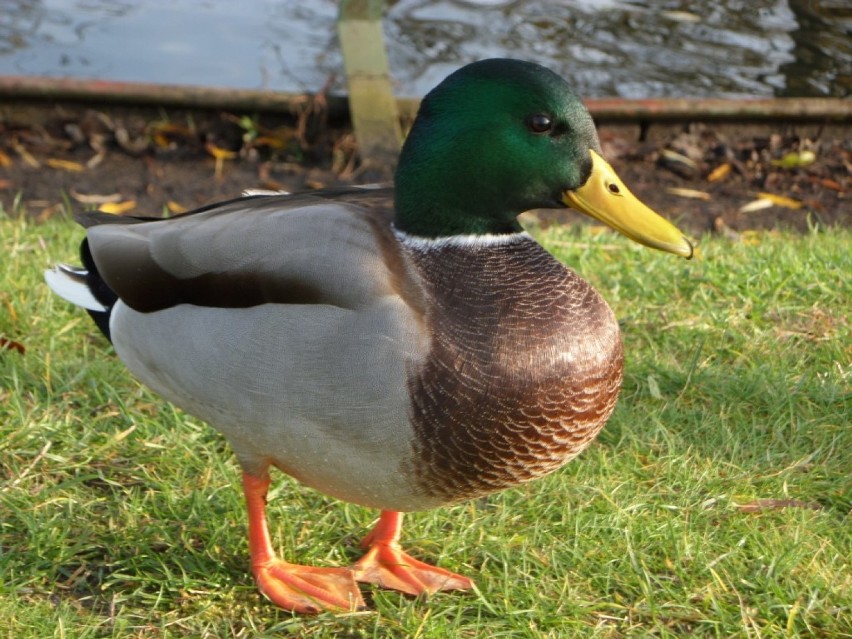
[117,208]
[94,198]
[678,158]
[780,200]
[269,141]
[219,153]
[681,16]
[720,172]
[756,205]
[776,504]
[65,165]
[133,145]
[795,159]
[827,183]
[96,159]
[12,345]
[176,207]
[690,193]
[277,138]
[26,156]
[5,160]
[164,133]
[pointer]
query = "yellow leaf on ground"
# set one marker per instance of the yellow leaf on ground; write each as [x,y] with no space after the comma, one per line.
[117,208]
[270,141]
[219,153]
[780,200]
[795,159]
[65,165]
[5,160]
[164,133]
[176,207]
[690,193]
[720,172]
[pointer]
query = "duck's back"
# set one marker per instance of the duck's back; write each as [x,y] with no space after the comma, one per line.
[303,249]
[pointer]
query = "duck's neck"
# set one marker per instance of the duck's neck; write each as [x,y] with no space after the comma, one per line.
[439,220]
[442,190]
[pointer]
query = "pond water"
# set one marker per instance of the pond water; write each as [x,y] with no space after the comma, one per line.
[606,48]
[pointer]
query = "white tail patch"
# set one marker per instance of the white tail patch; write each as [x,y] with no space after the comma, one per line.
[70,284]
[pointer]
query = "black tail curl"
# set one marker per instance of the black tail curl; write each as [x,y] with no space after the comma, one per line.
[103,293]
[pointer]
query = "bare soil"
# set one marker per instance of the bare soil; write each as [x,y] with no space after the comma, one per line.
[712,177]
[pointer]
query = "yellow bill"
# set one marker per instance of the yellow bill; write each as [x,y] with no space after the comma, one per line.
[605,198]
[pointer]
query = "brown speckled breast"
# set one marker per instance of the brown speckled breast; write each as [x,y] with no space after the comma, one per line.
[524,368]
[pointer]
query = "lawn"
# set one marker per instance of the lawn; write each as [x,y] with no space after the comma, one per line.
[716,502]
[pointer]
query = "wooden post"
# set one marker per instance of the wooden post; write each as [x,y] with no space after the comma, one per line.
[371,101]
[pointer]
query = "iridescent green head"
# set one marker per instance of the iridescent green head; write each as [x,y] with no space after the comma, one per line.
[500,137]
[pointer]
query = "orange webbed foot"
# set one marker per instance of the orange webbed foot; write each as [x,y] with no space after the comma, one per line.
[306,589]
[302,589]
[387,565]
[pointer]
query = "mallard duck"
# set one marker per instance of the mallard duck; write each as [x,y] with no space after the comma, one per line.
[400,348]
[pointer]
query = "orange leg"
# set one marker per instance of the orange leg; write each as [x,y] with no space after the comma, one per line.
[302,589]
[387,565]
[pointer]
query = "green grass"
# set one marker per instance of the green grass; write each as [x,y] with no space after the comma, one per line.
[122,517]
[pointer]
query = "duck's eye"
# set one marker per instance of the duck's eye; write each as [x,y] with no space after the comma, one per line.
[540,123]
